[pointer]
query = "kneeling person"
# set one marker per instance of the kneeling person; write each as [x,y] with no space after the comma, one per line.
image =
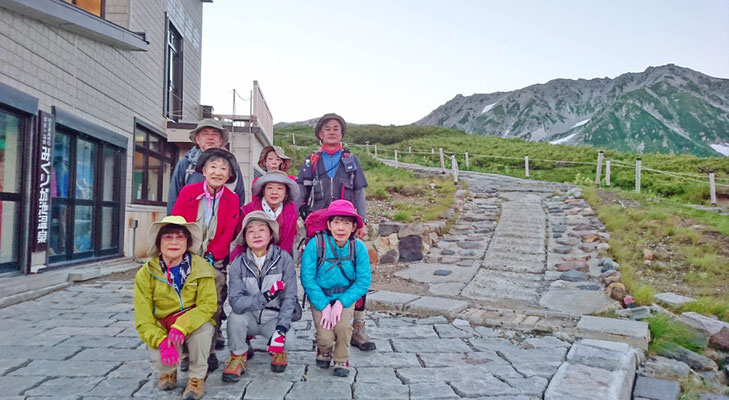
[174,303]
[262,295]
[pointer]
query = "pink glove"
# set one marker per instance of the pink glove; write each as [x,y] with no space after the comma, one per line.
[277,341]
[175,337]
[168,354]
[326,317]
[336,313]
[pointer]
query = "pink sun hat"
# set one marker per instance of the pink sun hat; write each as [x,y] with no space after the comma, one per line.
[342,208]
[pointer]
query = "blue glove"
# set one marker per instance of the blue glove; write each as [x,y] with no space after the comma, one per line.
[209,257]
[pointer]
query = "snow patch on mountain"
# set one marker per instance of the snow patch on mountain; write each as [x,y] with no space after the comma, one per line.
[564,139]
[583,122]
[488,107]
[722,148]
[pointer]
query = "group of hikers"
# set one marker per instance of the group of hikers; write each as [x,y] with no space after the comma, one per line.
[213,247]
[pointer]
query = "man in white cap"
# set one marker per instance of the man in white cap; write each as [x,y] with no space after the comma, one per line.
[208,134]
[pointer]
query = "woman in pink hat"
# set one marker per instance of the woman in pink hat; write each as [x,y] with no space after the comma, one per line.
[334,278]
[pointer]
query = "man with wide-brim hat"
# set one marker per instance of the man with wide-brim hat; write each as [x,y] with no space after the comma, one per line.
[215,209]
[275,193]
[262,295]
[174,302]
[329,174]
[209,133]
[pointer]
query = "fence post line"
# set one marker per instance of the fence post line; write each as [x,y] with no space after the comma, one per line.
[367,143]
[607,172]
[293,139]
[375,151]
[454,167]
[432,150]
[467,165]
[599,169]
[410,149]
[442,161]
[712,189]
[526,165]
[395,158]
[637,175]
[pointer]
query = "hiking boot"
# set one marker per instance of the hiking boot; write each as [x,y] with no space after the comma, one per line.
[167,381]
[213,362]
[323,359]
[194,390]
[184,362]
[278,362]
[360,338]
[341,368]
[235,367]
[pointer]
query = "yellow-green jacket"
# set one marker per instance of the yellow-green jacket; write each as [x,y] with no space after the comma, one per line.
[155,298]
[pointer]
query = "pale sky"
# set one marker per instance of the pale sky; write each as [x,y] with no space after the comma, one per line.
[393,62]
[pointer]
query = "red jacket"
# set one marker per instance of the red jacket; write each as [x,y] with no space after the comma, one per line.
[286,222]
[187,207]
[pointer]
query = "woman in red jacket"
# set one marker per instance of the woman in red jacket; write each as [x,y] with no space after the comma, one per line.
[214,208]
[275,194]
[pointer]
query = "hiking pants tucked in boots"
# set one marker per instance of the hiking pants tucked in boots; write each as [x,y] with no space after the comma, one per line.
[342,334]
[198,343]
[240,325]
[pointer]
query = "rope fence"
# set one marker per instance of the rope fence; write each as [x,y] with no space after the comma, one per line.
[469,157]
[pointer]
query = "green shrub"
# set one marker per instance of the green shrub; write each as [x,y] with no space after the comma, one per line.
[667,333]
[402,216]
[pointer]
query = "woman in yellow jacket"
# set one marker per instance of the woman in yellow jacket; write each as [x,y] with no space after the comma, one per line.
[174,302]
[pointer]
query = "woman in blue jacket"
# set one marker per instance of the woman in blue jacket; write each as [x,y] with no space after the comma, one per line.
[334,282]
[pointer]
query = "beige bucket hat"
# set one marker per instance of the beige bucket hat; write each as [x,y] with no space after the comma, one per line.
[276,177]
[257,215]
[191,227]
[210,123]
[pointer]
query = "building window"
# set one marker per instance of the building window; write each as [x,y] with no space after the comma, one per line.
[154,160]
[11,128]
[86,201]
[173,74]
[95,7]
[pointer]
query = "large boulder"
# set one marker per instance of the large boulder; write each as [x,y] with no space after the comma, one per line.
[383,244]
[413,229]
[388,228]
[411,248]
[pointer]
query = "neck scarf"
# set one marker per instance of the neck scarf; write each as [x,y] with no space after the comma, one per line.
[209,197]
[177,274]
[267,209]
[332,150]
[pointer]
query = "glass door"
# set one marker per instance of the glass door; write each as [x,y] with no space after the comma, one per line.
[85,206]
[11,151]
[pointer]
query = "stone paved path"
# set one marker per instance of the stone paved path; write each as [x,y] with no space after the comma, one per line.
[80,343]
[499,277]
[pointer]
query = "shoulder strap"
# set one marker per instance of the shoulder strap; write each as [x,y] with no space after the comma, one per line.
[321,250]
[189,172]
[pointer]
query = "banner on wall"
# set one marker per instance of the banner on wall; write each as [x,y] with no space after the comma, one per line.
[42,176]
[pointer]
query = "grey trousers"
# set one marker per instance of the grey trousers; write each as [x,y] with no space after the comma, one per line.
[241,325]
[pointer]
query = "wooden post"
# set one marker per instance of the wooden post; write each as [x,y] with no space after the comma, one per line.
[395,158]
[637,175]
[442,161]
[432,150]
[293,139]
[367,143]
[607,172]
[410,149]
[526,166]
[599,169]
[454,168]
[375,151]
[467,165]
[712,189]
